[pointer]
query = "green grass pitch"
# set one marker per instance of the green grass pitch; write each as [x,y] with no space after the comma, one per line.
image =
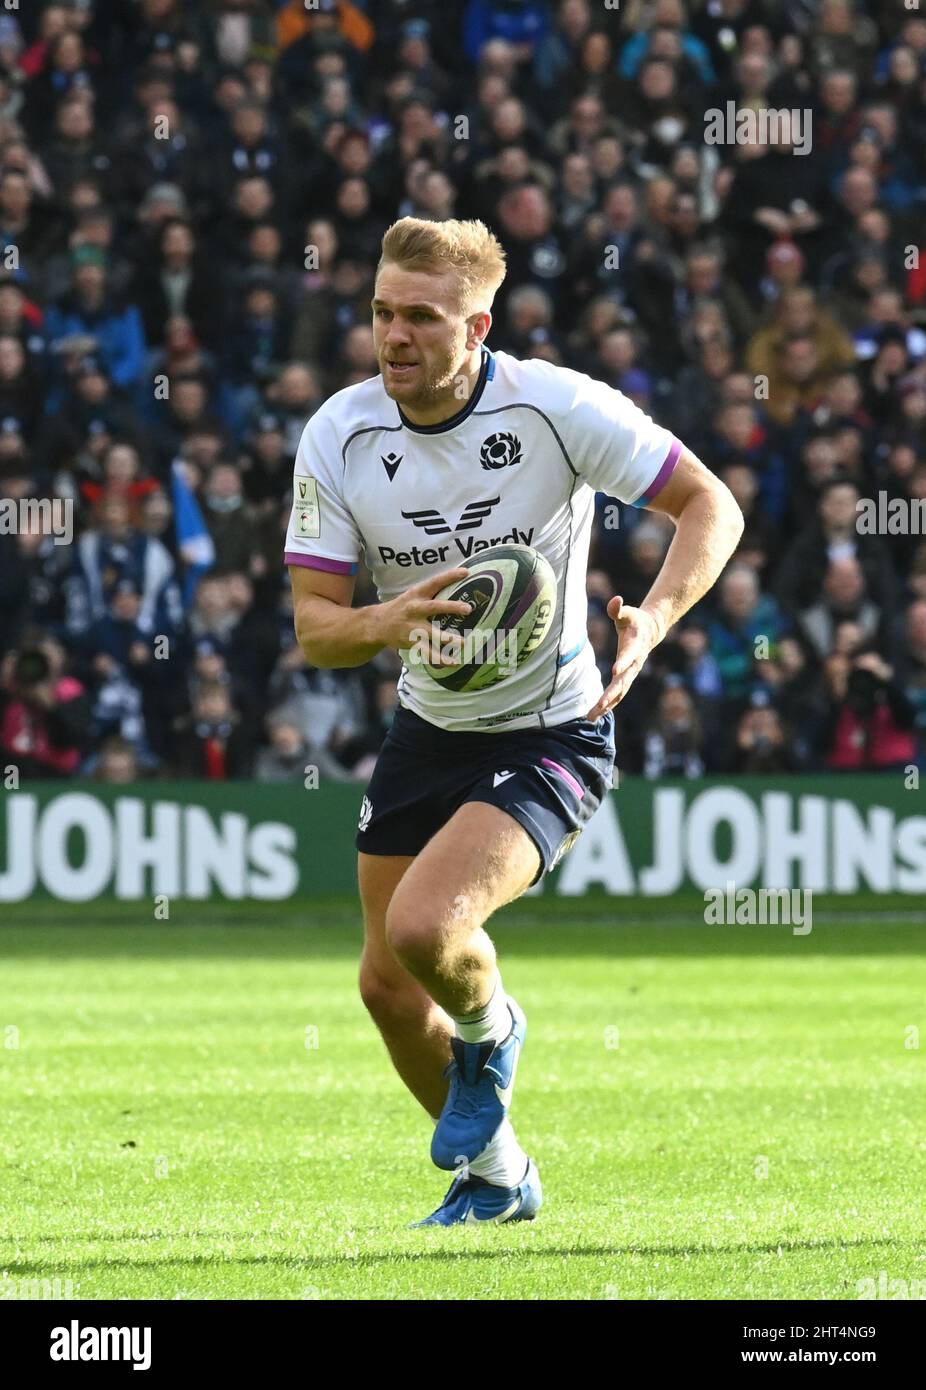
[202,1109]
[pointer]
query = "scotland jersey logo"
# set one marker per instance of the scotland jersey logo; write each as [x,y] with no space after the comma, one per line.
[500,451]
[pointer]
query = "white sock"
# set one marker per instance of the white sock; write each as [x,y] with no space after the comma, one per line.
[502,1161]
[491,1022]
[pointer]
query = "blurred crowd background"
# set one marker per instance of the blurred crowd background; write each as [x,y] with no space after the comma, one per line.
[166,329]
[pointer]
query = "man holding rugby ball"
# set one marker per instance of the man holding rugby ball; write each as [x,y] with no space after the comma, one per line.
[478,791]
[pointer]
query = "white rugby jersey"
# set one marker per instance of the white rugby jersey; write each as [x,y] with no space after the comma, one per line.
[520,463]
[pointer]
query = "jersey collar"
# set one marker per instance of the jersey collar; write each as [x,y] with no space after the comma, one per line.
[486,373]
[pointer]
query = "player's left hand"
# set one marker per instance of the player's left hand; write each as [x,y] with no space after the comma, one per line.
[637,635]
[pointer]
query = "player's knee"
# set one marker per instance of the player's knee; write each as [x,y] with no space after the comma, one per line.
[386,997]
[414,933]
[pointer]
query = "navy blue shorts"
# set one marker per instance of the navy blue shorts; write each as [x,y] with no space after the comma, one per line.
[550,780]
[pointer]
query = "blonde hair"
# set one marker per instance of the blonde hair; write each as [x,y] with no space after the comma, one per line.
[468,248]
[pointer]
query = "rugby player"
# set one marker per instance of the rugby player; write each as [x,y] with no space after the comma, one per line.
[476,794]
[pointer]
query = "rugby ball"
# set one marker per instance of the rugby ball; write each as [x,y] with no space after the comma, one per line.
[513,592]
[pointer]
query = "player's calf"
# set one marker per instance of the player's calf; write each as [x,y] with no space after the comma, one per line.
[416,1031]
[477,862]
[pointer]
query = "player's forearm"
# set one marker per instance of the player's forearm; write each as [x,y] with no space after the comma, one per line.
[332,636]
[706,535]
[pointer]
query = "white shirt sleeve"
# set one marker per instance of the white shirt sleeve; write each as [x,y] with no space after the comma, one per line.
[615,446]
[322,533]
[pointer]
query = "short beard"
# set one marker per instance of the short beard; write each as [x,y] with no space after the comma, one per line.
[438,386]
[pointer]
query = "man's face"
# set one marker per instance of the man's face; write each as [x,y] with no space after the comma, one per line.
[203,448]
[703,274]
[261,303]
[621,207]
[11,358]
[916,624]
[418,323]
[286,739]
[11,303]
[126,607]
[800,362]
[178,244]
[739,594]
[114,517]
[157,513]
[89,281]
[607,156]
[839,93]
[213,707]
[754,73]
[75,121]
[254,198]
[189,400]
[15,195]
[269,445]
[211,598]
[240,592]
[820,460]
[838,507]
[249,125]
[118,766]
[657,81]
[224,483]
[799,312]
[577,175]
[736,424]
[859,191]
[844,583]
[209,666]
[265,244]
[742,483]
[508,120]
[121,465]
[675,707]
[587,118]
[297,387]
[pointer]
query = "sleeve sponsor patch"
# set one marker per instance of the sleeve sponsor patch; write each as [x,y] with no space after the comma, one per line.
[306,516]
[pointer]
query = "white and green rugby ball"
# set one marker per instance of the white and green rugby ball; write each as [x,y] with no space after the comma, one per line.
[513,592]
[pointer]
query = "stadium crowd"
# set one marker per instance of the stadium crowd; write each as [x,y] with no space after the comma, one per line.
[192,198]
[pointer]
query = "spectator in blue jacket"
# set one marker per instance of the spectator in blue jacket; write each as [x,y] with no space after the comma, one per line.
[744,615]
[669,14]
[523,23]
[89,310]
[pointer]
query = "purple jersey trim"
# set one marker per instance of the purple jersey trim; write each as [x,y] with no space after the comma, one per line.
[566,776]
[319,562]
[662,477]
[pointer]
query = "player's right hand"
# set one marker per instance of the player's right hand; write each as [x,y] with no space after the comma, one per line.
[407,616]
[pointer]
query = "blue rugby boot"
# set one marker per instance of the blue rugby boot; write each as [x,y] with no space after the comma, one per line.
[481,1083]
[472,1199]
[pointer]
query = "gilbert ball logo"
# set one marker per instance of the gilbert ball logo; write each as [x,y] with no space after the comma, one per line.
[500,451]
